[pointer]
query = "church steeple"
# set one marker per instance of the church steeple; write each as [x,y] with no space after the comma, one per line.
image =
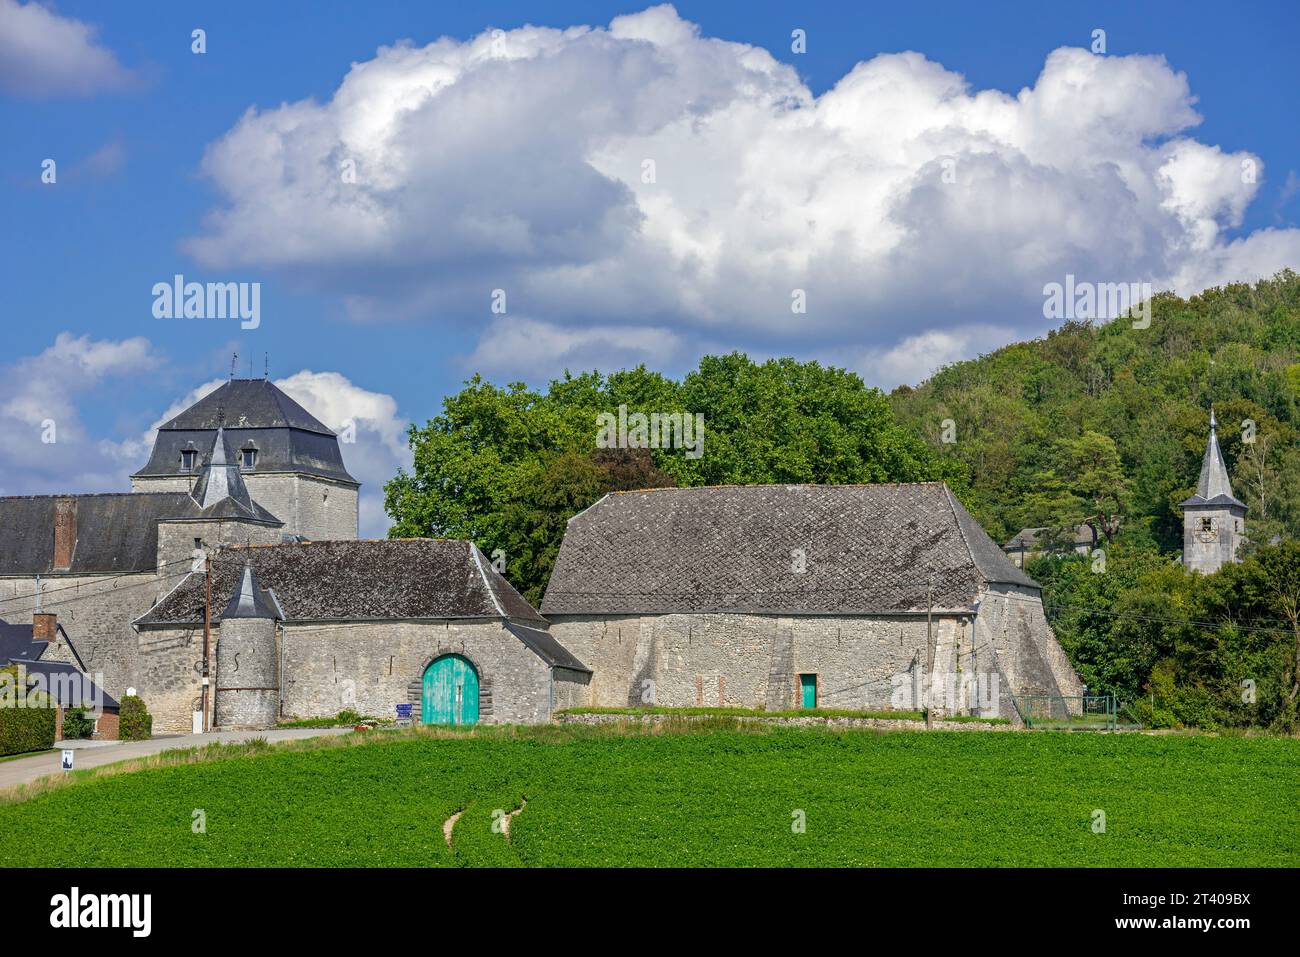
[1214,482]
[1213,518]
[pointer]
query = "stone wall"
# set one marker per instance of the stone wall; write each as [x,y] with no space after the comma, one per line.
[316,508]
[170,676]
[753,661]
[571,689]
[158,483]
[1011,622]
[372,667]
[176,541]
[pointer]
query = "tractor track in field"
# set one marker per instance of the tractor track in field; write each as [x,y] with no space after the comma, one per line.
[505,821]
[450,823]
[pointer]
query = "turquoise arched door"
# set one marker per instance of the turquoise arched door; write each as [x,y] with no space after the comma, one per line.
[450,692]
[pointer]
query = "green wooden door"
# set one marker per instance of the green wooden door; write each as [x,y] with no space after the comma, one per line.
[450,692]
[808,687]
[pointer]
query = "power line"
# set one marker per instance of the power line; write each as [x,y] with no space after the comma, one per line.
[44,594]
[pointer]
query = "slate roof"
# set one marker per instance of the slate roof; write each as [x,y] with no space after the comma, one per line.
[221,492]
[251,600]
[416,578]
[544,645]
[1213,487]
[1032,537]
[71,686]
[257,414]
[16,642]
[868,549]
[116,531]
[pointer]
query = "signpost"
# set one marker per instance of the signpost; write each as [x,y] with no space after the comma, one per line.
[67,759]
[403,714]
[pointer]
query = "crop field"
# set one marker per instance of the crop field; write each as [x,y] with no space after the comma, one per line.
[704,797]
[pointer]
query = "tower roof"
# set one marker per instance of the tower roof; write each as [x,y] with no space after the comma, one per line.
[1213,487]
[258,415]
[247,404]
[251,600]
[220,491]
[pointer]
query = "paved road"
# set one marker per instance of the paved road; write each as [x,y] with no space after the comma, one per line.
[91,754]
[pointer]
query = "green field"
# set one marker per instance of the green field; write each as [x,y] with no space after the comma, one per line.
[720,797]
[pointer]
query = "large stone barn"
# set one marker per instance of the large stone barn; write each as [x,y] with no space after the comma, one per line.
[785,596]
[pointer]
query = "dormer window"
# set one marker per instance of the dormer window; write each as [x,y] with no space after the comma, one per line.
[187,459]
[247,458]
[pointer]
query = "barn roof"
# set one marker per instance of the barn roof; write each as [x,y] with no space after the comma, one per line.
[416,578]
[863,549]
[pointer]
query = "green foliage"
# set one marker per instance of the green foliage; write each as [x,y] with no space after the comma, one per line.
[507,467]
[1183,650]
[135,723]
[27,728]
[1031,416]
[713,799]
[76,724]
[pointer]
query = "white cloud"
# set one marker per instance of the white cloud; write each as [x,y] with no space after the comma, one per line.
[43,54]
[38,402]
[524,347]
[916,357]
[901,200]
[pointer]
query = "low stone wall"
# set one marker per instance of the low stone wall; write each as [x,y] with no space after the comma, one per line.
[883,724]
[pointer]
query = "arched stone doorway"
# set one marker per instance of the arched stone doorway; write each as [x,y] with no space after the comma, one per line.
[450,691]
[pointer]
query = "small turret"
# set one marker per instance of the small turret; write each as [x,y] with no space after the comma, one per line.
[248,661]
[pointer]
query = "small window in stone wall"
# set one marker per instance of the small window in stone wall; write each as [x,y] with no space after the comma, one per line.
[1207,524]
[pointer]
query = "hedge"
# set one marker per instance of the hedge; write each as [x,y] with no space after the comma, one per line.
[134,722]
[76,724]
[28,728]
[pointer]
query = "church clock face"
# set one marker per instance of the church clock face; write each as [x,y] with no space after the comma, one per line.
[1207,532]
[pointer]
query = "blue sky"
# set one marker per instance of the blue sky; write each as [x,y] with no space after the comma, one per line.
[521,174]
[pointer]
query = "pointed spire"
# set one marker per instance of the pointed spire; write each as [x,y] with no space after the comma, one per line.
[219,479]
[251,600]
[1214,482]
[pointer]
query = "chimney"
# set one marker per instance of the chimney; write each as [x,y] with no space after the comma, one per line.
[65,533]
[45,626]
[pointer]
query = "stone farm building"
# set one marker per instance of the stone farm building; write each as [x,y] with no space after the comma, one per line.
[785,596]
[766,596]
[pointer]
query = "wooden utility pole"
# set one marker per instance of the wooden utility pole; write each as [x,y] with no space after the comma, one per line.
[207,633]
[929,653]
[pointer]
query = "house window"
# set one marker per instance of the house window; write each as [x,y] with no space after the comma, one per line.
[187,460]
[249,458]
